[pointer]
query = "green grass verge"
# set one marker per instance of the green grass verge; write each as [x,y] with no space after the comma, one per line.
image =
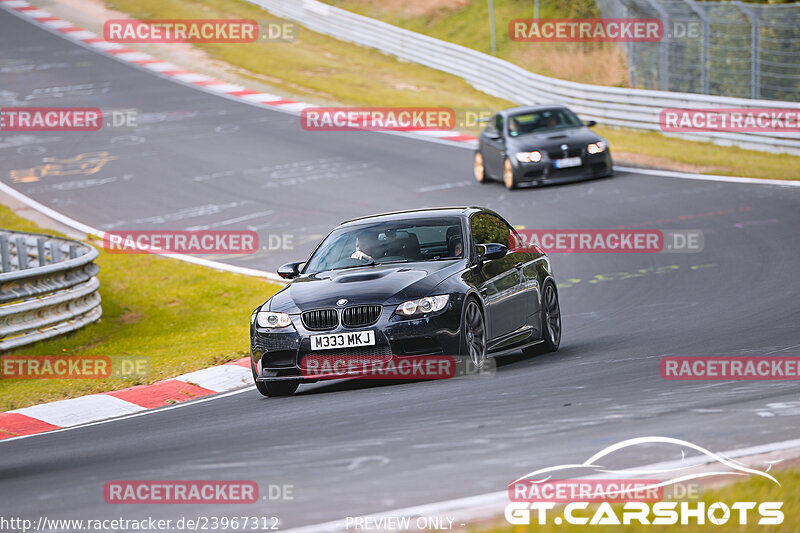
[323,70]
[182,317]
[754,489]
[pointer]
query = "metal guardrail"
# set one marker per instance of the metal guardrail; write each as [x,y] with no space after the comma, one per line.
[47,287]
[615,106]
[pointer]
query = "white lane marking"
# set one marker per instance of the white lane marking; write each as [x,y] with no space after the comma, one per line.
[707,177]
[232,220]
[76,411]
[134,415]
[492,504]
[219,378]
[358,461]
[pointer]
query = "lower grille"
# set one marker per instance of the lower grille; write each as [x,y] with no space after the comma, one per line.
[363,353]
[321,319]
[361,315]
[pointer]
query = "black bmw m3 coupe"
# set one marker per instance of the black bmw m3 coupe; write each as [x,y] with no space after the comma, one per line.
[540,144]
[445,281]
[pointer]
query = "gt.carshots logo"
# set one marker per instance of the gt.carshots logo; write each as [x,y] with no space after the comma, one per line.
[377,118]
[181,242]
[540,497]
[180,492]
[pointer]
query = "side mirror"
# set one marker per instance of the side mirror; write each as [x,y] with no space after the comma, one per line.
[289,270]
[491,251]
[591,123]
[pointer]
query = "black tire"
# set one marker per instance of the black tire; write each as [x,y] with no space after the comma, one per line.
[274,388]
[473,333]
[509,179]
[551,317]
[478,168]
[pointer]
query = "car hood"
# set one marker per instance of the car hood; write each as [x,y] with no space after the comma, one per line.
[376,284]
[554,139]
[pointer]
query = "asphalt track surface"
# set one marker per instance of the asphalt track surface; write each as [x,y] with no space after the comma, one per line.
[351,448]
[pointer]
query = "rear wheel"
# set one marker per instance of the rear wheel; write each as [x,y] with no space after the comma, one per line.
[274,388]
[473,334]
[551,318]
[508,175]
[478,169]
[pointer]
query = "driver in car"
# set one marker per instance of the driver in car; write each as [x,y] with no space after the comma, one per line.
[362,248]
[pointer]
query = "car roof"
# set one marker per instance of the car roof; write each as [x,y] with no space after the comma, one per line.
[415,214]
[530,109]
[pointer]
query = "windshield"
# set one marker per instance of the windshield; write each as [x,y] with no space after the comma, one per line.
[542,121]
[386,242]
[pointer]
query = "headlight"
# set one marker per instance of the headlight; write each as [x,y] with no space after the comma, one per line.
[429,304]
[529,157]
[596,148]
[268,319]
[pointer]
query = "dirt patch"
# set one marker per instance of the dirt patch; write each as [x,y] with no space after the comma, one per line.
[131,317]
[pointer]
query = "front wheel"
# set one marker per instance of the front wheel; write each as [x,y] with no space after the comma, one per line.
[274,388]
[473,334]
[508,175]
[551,318]
[478,168]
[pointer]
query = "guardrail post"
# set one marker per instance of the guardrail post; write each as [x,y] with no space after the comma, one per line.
[73,251]
[4,254]
[42,253]
[22,253]
[55,252]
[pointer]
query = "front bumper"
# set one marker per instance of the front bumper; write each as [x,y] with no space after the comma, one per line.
[278,355]
[592,166]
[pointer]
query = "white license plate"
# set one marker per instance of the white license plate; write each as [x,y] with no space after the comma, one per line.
[567,162]
[342,340]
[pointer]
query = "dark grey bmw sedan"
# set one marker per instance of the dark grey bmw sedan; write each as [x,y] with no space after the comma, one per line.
[540,144]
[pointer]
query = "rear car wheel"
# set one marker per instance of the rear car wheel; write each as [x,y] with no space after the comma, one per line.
[473,334]
[275,388]
[478,169]
[508,175]
[551,318]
